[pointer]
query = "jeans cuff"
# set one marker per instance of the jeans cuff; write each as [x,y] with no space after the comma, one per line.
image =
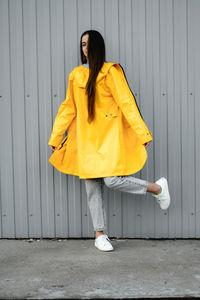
[99,229]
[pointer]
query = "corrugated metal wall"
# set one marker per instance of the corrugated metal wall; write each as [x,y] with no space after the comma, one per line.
[158,44]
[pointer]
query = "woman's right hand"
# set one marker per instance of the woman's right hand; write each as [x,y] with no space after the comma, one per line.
[53,148]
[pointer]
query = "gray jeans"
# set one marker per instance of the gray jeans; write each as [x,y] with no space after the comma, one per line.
[94,190]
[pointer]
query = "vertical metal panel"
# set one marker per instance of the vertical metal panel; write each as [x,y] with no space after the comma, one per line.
[182,52]
[180,76]
[195,46]
[157,43]
[172,119]
[30,100]
[45,99]
[7,196]
[18,118]
[190,121]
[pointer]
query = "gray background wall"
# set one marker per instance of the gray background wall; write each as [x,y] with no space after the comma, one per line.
[158,44]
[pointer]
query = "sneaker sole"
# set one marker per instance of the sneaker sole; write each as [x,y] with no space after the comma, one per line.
[103,250]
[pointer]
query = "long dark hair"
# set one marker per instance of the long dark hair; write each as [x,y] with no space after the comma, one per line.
[96,59]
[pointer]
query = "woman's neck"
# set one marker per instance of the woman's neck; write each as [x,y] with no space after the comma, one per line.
[86,64]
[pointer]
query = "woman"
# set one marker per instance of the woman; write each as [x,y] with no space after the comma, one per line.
[107,135]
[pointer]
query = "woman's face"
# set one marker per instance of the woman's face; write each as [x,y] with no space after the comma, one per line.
[84,43]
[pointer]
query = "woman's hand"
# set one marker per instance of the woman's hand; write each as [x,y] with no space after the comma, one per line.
[53,148]
[147,144]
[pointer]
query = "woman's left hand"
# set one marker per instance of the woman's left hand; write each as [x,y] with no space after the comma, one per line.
[147,144]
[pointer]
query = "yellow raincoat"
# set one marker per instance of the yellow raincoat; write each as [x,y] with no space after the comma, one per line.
[112,144]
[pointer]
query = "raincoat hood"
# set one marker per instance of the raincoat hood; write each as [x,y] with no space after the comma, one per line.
[82,74]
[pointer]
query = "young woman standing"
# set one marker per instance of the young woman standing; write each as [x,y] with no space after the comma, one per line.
[107,135]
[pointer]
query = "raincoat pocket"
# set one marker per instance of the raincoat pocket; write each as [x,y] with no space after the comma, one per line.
[63,142]
[111,115]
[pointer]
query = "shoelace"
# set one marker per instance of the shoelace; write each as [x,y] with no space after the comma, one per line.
[105,238]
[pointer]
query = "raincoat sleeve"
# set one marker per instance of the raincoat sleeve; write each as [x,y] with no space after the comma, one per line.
[65,115]
[118,86]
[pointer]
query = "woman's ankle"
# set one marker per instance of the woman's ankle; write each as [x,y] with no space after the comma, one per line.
[160,190]
[154,188]
[98,233]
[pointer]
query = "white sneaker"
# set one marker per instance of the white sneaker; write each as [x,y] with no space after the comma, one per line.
[102,243]
[164,197]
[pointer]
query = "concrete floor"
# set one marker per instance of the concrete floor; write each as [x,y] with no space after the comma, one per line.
[74,268]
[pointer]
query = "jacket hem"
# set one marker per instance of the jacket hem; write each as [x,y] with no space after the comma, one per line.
[112,174]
